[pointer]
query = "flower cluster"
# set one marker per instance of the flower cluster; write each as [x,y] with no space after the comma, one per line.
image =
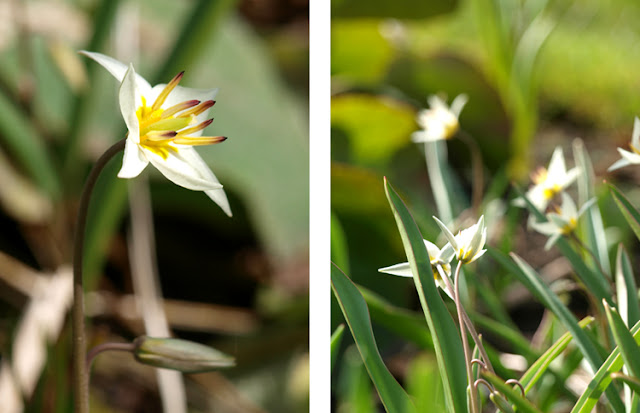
[439,122]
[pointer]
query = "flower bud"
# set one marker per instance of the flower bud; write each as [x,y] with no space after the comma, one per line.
[182,355]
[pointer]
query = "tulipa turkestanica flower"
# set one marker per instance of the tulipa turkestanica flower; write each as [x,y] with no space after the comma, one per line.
[165,122]
[633,157]
[468,243]
[437,256]
[563,221]
[440,121]
[547,183]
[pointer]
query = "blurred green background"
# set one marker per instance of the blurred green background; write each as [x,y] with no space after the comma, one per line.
[538,74]
[239,284]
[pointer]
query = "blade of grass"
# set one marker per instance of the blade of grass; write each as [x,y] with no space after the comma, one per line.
[355,311]
[446,338]
[336,339]
[630,213]
[628,304]
[540,366]
[550,300]
[623,338]
[602,379]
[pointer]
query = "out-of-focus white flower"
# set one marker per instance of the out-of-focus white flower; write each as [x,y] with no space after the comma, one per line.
[633,157]
[437,257]
[439,121]
[469,242]
[563,221]
[165,122]
[547,183]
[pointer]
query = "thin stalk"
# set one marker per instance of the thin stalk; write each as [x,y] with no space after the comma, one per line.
[432,152]
[465,343]
[467,321]
[91,355]
[80,372]
[477,169]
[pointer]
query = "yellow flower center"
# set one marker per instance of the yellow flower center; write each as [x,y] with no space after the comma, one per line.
[162,129]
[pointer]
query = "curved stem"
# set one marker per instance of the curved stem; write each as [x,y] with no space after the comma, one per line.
[465,343]
[91,355]
[80,373]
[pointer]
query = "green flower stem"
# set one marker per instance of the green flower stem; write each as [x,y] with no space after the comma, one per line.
[473,392]
[432,152]
[467,321]
[477,169]
[91,355]
[80,372]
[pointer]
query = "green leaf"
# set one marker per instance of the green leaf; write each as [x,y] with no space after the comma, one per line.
[406,324]
[534,283]
[446,337]
[355,311]
[628,304]
[400,9]
[339,248]
[632,382]
[602,378]
[423,384]
[512,395]
[630,213]
[540,366]
[336,339]
[26,147]
[357,392]
[623,338]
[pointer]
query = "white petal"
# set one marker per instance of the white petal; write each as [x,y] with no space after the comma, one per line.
[117,69]
[556,165]
[128,97]
[180,172]
[620,163]
[217,195]
[447,233]
[458,103]
[586,206]
[401,270]
[546,228]
[446,253]
[569,177]
[435,102]
[635,136]
[632,157]
[133,162]
[568,206]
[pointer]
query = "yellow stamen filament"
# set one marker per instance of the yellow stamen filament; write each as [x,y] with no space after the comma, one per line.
[193,129]
[165,92]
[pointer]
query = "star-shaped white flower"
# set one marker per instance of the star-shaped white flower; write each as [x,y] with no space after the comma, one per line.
[164,123]
[562,222]
[439,121]
[633,157]
[547,183]
[469,242]
[437,257]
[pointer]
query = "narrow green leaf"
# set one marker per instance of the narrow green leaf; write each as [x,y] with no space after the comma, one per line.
[339,248]
[407,324]
[446,338]
[630,213]
[513,395]
[552,302]
[26,147]
[623,338]
[540,366]
[602,379]
[336,339]
[626,288]
[632,382]
[357,388]
[355,311]
[594,232]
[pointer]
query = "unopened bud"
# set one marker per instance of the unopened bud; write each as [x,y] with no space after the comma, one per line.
[182,355]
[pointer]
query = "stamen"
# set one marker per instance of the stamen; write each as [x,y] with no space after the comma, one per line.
[158,136]
[199,127]
[165,92]
[200,108]
[199,140]
[179,108]
[173,124]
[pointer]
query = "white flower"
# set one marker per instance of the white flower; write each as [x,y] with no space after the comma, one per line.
[549,182]
[439,121]
[563,221]
[164,123]
[629,158]
[469,242]
[437,257]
